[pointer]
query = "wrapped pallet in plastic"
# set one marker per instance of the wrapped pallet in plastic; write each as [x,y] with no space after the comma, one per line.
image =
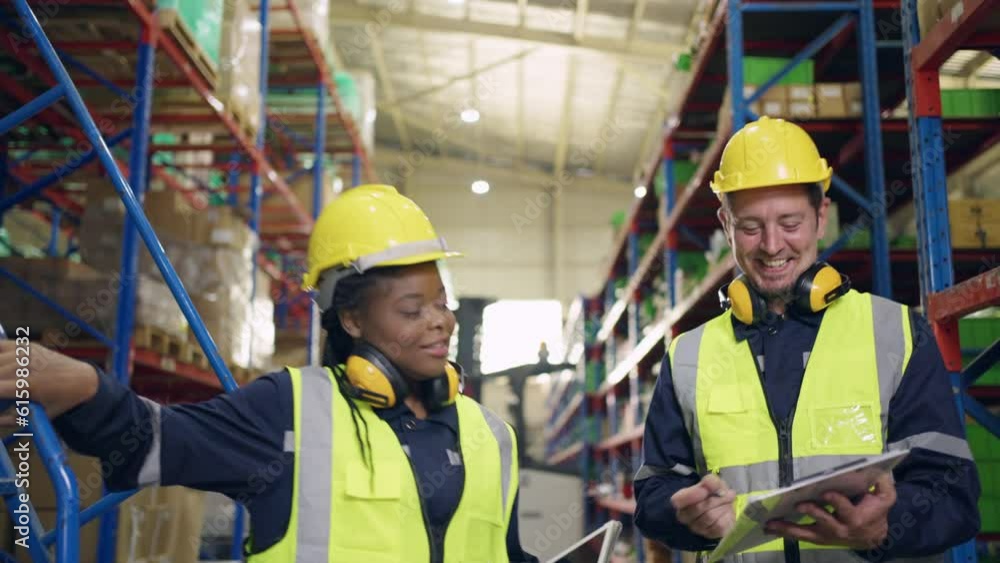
[239,64]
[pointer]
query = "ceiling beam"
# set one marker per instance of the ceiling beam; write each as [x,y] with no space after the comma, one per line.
[580,25]
[385,79]
[344,13]
[522,178]
[562,143]
[654,131]
[519,145]
[616,90]
[633,25]
[466,76]
[522,13]
[976,65]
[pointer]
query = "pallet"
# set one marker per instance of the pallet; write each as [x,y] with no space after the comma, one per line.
[172,23]
[159,341]
[191,353]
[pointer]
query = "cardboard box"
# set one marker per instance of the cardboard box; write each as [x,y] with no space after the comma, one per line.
[75,287]
[800,93]
[831,101]
[853,97]
[801,109]
[975,223]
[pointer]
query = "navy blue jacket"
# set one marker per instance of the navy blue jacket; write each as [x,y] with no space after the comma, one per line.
[937,494]
[235,444]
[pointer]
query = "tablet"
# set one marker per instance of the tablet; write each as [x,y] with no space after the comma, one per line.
[582,552]
[851,480]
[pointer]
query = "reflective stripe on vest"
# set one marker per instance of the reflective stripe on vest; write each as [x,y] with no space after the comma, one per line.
[343,511]
[853,371]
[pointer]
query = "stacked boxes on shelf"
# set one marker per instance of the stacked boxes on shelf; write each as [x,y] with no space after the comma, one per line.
[230,31]
[157,524]
[211,250]
[239,76]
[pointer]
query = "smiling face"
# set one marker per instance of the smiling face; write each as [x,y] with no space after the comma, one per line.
[406,316]
[774,234]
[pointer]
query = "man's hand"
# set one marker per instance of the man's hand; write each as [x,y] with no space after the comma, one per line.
[57,382]
[860,526]
[706,508]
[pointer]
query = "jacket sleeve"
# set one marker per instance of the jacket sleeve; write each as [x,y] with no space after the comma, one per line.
[937,485]
[667,466]
[227,444]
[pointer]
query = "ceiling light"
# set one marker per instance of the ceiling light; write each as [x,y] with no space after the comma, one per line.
[640,191]
[456,2]
[480,187]
[470,115]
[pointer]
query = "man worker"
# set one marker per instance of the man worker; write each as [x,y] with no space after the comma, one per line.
[801,374]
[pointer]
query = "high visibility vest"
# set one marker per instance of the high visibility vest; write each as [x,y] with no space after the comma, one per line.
[854,368]
[344,512]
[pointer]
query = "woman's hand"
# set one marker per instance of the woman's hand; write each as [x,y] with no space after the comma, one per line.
[49,378]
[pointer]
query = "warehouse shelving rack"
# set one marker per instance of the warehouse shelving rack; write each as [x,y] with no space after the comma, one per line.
[622,355]
[45,61]
[971,24]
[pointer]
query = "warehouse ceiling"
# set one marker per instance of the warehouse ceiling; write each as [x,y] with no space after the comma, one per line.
[559,86]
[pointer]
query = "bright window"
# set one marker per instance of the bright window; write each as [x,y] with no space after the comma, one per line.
[513,331]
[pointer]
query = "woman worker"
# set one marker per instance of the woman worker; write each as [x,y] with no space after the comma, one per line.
[375,457]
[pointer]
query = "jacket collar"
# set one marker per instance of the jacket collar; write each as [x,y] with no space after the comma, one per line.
[743,331]
[447,416]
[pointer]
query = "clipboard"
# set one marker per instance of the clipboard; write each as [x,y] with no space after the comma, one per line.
[852,479]
[580,552]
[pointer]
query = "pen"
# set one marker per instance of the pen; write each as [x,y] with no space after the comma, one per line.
[718,492]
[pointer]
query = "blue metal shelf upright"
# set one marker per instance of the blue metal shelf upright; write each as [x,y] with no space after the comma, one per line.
[36,98]
[971,24]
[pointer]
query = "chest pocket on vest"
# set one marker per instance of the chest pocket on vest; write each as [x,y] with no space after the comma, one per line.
[727,416]
[483,531]
[843,428]
[378,499]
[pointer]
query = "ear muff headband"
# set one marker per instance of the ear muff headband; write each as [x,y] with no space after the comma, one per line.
[377,381]
[814,290]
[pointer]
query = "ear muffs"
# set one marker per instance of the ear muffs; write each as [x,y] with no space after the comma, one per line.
[814,290]
[377,381]
[819,286]
[748,306]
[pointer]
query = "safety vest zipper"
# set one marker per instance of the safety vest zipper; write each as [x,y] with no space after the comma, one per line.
[431,546]
[786,468]
[458,446]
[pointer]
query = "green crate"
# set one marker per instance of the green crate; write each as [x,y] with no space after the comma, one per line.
[966,102]
[204,21]
[981,442]
[692,263]
[978,333]
[645,241]
[861,240]
[989,514]
[618,219]
[758,70]
[683,172]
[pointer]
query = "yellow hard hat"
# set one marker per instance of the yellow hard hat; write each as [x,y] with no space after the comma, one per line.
[770,152]
[368,226]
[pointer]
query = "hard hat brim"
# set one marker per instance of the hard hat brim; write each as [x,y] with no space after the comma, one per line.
[825,182]
[308,283]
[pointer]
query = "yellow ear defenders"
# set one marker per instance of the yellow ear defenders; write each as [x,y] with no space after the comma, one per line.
[814,290]
[377,381]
